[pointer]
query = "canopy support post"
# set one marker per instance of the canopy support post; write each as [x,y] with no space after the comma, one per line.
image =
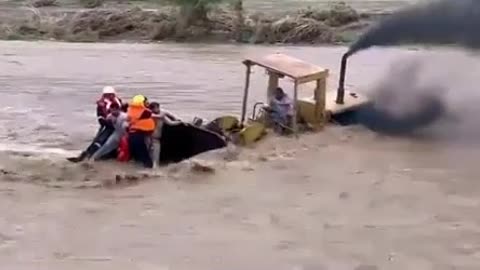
[272,84]
[245,93]
[320,98]
[295,109]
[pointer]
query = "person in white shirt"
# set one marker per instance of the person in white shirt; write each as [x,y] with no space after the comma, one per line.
[161,117]
[281,108]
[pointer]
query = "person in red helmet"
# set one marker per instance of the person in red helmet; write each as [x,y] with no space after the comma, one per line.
[104,104]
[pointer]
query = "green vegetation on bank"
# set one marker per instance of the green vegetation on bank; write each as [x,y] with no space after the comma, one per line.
[181,20]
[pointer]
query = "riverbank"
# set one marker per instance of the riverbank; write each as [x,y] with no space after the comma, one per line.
[336,24]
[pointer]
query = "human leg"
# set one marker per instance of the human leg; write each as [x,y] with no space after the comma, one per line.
[98,141]
[155,152]
[101,137]
[144,151]
[138,148]
[133,145]
[108,147]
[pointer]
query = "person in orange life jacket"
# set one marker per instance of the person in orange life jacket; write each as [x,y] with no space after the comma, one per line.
[106,128]
[141,128]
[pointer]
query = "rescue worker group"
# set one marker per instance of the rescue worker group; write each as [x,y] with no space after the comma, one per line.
[128,131]
[133,131]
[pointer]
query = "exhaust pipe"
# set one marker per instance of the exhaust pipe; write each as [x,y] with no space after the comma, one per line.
[341,83]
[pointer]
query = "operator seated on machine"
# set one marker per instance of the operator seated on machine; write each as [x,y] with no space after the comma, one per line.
[280,110]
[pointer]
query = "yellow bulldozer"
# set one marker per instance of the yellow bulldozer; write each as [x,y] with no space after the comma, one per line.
[313,112]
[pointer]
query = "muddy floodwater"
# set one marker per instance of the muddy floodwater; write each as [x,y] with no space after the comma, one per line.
[342,199]
[53,87]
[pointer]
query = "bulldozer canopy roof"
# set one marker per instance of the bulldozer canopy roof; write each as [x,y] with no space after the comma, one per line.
[288,66]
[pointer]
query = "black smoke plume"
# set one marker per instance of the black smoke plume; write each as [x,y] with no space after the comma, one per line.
[441,22]
[402,104]
[444,22]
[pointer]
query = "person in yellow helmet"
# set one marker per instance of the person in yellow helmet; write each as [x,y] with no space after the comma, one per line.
[142,126]
[138,100]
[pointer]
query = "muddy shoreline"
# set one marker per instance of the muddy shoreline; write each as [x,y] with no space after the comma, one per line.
[338,24]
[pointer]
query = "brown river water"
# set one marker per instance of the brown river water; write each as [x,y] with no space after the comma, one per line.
[342,199]
[53,87]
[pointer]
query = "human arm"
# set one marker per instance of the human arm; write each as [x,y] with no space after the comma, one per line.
[171,122]
[170,115]
[124,106]
[125,124]
[166,119]
[146,114]
[272,102]
[102,113]
[285,101]
[123,120]
[110,118]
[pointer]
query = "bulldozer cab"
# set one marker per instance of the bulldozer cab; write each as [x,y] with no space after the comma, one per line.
[280,66]
[314,111]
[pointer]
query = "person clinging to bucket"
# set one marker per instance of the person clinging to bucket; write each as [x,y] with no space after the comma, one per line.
[141,128]
[119,120]
[161,117]
[106,128]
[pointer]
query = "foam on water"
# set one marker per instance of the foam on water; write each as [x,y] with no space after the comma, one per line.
[36,150]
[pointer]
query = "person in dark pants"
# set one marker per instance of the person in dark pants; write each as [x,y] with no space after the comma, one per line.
[120,123]
[106,128]
[138,148]
[142,126]
[98,141]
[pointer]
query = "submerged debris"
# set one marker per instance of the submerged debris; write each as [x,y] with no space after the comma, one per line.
[293,30]
[202,168]
[44,3]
